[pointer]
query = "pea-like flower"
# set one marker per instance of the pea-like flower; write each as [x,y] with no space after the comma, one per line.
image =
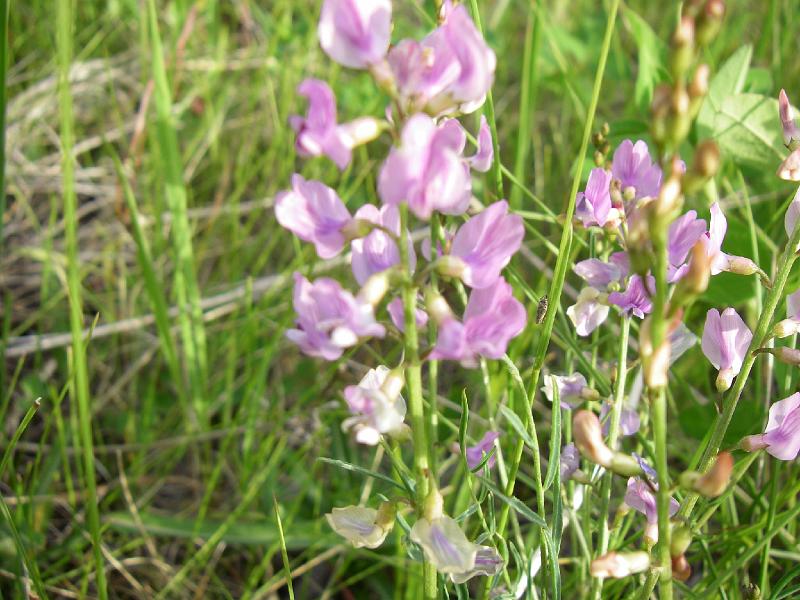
[492,318]
[726,338]
[378,251]
[484,245]
[640,498]
[397,314]
[329,318]
[617,565]
[600,274]
[593,205]
[377,406]
[629,421]
[314,213]
[451,69]
[485,446]
[361,526]
[570,389]
[791,324]
[589,311]
[427,170]
[791,133]
[781,437]
[633,168]
[355,33]
[569,461]
[684,232]
[635,300]
[318,133]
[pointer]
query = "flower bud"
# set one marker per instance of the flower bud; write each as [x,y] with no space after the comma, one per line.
[625,465]
[710,21]
[714,482]
[789,170]
[655,361]
[791,134]
[706,159]
[434,505]
[590,394]
[785,328]
[789,356]
[588,434]
[681,569]
[682,47]
[751,443]
[680,540]
[751,592]
[698,86]
[670,198]
[620,564]
[699,269]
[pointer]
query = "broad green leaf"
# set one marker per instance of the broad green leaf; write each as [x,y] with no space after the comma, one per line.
[748,131]
[729,81]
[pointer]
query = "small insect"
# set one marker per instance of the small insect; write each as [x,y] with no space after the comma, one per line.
[541,310]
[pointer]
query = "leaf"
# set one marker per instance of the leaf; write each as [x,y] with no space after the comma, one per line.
[729,81]
[515,504]
[747,130]
[650,59]
[513,420]
[360,470]
[554,459]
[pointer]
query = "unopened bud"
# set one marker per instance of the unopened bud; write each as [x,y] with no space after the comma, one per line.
[710,21]
[714,482]
[789,170]
[590,394]
[588,434]
[599,158]
[789,356]
[437,307]
[751,592]
[655,361]
[706,159]
[699,269]
[791,134]
[682,47]
[670,197]
[620,564]
[660,109]
[375,288]
[629,193]
[681,569]
[751,443]
[786,328]
[741,266]
[605,129]
[698,86]
[680,540]
[625,465]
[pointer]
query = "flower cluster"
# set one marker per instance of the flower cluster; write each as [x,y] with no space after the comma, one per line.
[427,174]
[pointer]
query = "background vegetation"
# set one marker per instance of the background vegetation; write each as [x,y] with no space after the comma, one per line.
[207,425]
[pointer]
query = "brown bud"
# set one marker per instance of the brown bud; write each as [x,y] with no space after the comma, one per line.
[698,87]
[710,21]
[681,569]
[588,434]
[706,159]
[696,279]
[713,483]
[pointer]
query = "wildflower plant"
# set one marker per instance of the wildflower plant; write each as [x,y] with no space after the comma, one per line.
[430,273]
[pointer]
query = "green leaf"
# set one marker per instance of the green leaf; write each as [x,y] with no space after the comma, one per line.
[650,59]
[553,464]
[513,420]
[748,132]
[515,504]
[360,470]
[729,81]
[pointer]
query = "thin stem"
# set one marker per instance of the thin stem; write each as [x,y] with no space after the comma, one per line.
[64,38]
[613,437]
[416,406]
[565,247]
[774,296]
[659,415]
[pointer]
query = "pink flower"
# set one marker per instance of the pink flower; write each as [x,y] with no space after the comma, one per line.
[570,389]
[377,406]
[484,155]
[452,68]
[329,319]
[492,318]
[484,245]
[684,232]
[599,274]
[378,251]
[569,461]
[725,342]
[629,421]
[717,229]
[589,311]
[396,312]
[633,168]
[781,438]
[314,213]
[790,130]
[636,298]
[355,33]
[319,134]
[593,206]
[640,498]
[476,453]
[427,170]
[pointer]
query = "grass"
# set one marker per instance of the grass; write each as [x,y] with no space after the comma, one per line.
[176,451]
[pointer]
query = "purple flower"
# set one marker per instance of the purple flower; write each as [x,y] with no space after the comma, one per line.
[684,233]
[628,422]
[570,389]
[377,406]
[569,462]
[485,446]
[492,318]
[588,312]
[427,170]
[329,318]
[487,562]
[449,551]
[593,205]
[790,130]
[314,213]
[599,274]
[397,314]
[792,214]
[450,69]
[484,155]
[361,526]
[725,342]
[649,471]
[378,251]
[355,33]
[633,167]
[640,498]
[635,299]
[713,239]
[319,133]
[441,246]
[483,246]
[781,438]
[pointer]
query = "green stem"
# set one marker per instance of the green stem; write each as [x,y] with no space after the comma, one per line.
[564,251]
[613,437]
[730,402]
[416,406]
[4,5]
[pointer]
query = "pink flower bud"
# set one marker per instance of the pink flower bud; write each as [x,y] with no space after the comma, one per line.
[588,434]
[620,564]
